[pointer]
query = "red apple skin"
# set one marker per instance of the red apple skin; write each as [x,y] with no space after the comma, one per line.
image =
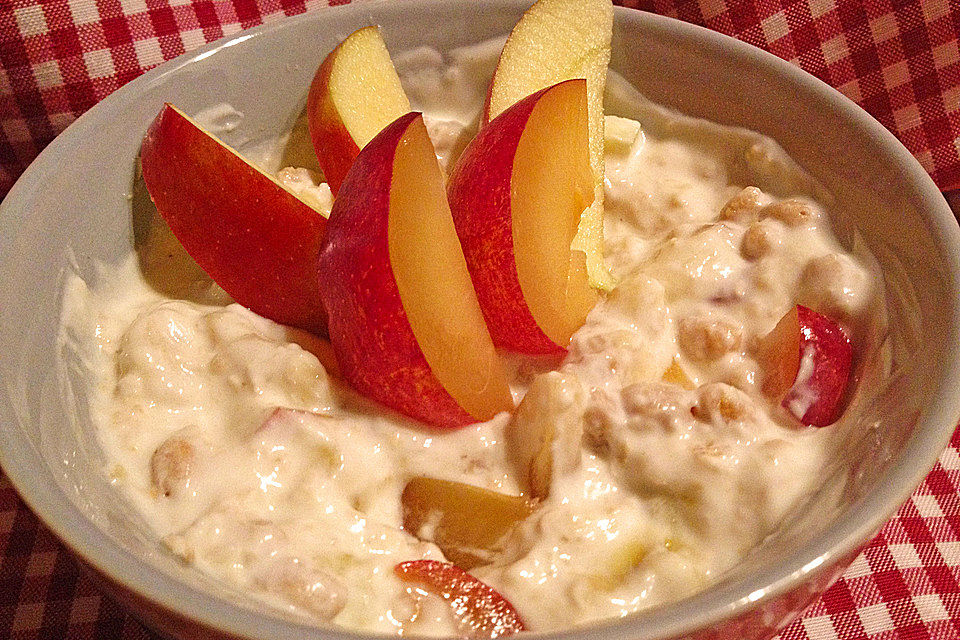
[361,56]
[335,147]
[827,345]
[482,611]
[371,335]
[479,186]
[806,344]
[255,239]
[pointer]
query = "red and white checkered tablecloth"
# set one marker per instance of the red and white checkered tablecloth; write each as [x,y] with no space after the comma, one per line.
[899,59]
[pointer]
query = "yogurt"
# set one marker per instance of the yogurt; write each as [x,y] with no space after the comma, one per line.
[255,464]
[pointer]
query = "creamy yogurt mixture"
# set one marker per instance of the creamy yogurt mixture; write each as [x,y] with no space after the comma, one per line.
[255,464]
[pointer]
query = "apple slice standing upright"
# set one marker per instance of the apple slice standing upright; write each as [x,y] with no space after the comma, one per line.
[516,193]
[558,40]
[404,319]
[355,94]
[257,240]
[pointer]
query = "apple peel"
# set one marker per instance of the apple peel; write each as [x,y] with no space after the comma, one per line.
[558,40]
[257,240]
[481,610]
[355,93]
[809,360]
[404,320]
[516,194]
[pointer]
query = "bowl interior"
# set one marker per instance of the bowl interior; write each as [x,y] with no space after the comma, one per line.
[72,212]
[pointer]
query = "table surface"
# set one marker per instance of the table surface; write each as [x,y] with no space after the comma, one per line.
[899,59]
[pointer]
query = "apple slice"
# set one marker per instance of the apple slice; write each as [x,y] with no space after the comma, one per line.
[404,319]
[468,523]
[256,240]
[516,194]
[558,40]
[481,610]
[780,355]
[808,360]
[355,94]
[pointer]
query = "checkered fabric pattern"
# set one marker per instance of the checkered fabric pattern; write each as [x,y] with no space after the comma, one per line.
[899,59]
[58,58]
[904,586]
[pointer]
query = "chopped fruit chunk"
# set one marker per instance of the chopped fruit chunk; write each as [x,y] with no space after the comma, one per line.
[516,194]
[808,359]
[544,436]
[676,375]
[558,40]
[257,240]
[620,134]
[404,320]
[614,569]
[354,95]
[172,465]
[780,355]
[468,523]
[482,612]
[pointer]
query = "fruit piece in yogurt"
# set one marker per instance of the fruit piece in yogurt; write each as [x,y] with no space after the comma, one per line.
[808,359]
[173,463]
[404,319]
[516,194]
[481,610]
[676,374]
[544,434]
[255,239]
[621,136]
[468,523]
[558,40]
[355,94]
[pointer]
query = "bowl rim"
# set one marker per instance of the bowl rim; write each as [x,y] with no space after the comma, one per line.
[20,460]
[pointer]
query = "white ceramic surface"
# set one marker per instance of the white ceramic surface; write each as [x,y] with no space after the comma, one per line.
[74,204]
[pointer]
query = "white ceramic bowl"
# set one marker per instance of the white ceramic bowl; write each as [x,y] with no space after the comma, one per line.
[75,200]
